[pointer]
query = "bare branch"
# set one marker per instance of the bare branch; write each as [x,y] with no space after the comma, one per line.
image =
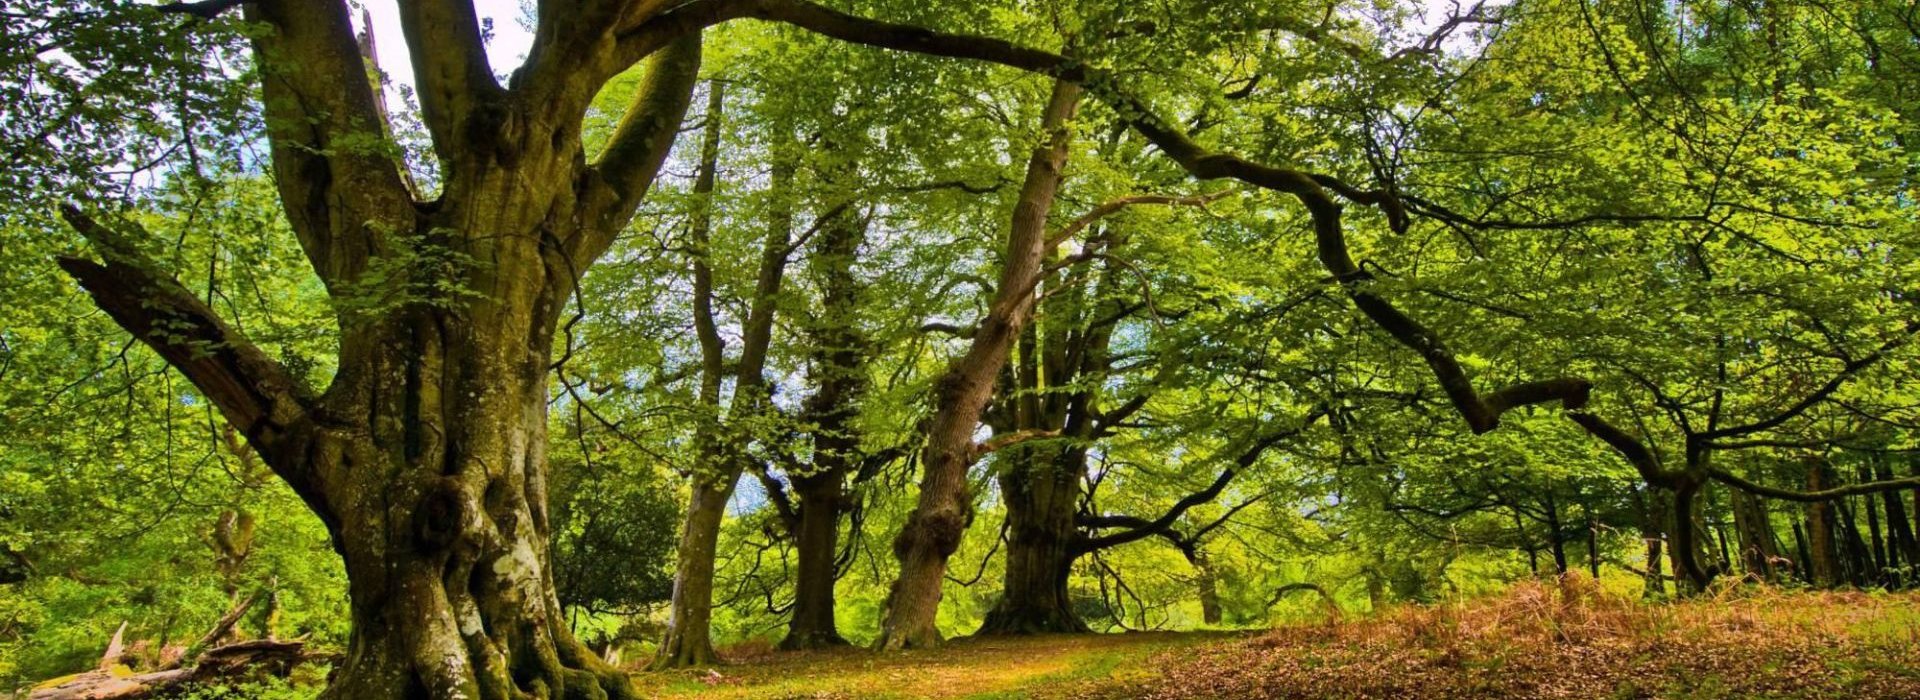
[1138,528]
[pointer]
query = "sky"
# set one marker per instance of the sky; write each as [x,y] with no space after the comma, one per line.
[505,52]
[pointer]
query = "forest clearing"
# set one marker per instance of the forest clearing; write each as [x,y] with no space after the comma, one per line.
[614,349]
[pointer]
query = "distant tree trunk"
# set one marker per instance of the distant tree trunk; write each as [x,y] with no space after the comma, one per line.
[838,361]
[1881,551]
[1859,559]
[1556,536]
[720,441]
[1825,564]
[689,639]
[1593,546]
[1040,486]
[1526,543]
[1685,549]
[1904,544]
[939,518]
[1754,531]
[816,549]
[1800,549]
[1208,581]
[1653,534]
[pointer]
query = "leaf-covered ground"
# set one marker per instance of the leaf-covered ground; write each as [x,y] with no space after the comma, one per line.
[1538,641]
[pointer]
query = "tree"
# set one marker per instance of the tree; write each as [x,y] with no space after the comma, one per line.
[426,454]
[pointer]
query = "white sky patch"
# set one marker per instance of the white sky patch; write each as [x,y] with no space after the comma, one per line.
[506,49]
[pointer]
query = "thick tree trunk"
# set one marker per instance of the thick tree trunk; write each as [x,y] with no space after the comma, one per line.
[839,364]
[1041,489]
[1685,549]
[426,456]
[440,515]
[941,515]
[816,545]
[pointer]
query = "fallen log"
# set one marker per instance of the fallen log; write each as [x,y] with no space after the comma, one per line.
[271,656]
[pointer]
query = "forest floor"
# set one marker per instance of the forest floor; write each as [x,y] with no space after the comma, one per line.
[1537,641]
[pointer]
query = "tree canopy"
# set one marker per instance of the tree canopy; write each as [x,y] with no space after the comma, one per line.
[887,322]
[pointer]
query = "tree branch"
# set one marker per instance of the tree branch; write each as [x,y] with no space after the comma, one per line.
[1871,487]
[626,170]
[1006,440]
[253,393]
[1826,390]
[452,79]
[1113,206]
[1138,528]
[341,188]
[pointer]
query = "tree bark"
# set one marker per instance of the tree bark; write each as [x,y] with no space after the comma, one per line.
[1825,567]
[426,456]
[1040,486]
[720,441]
[933,530]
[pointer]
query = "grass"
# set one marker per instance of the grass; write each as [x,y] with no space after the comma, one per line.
[1539,640]
[976,669]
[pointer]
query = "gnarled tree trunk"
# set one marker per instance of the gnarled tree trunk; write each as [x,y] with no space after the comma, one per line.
[426,456]
[1041,489]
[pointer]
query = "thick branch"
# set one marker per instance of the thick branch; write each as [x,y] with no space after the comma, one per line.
[627,169]
[451,76]
[251,390]
[339,184]
[1006,440]
[1826,390]
[1630,447]
[204,9]
[1113,206]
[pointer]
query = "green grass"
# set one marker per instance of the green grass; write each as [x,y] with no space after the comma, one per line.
[975,669]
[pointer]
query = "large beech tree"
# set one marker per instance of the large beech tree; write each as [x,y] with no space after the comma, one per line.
[426,455]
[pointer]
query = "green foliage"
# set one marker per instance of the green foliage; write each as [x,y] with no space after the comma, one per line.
[1705,208]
